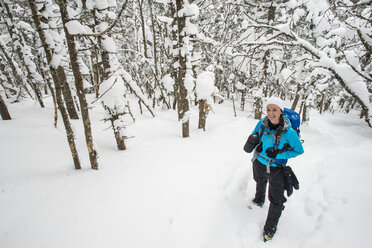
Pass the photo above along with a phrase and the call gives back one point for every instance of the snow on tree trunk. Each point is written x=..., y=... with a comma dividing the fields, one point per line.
x=93, y=154
x=204, y=90
x=184, y=78
x=112, y=90
x=112, y=93
x=57, y=84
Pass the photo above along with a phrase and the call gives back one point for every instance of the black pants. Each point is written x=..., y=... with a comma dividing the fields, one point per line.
x=276, y=192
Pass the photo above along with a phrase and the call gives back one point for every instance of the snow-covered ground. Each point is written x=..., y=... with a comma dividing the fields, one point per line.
x=170, y=192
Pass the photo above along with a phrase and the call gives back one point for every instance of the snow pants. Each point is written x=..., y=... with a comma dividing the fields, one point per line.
x=276, y=192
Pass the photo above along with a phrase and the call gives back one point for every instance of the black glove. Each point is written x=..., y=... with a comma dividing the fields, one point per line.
x=287, y=181
x=286, y=147
x=290, y=180
x=294, y=179
x=259, y=147
x=251, y=143
x=271, y=153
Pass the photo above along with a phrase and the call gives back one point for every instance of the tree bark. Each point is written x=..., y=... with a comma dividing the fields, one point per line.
x=305, y=116
x=93, y=154
x=297, y=98
x=258, y=108
x=203, y=108
x=242, y=100
x=233, y=102
x=4, y=110
x=67, y=95
x=120, y=140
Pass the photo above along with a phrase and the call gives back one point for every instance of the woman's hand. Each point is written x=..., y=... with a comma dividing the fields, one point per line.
x=271, y=153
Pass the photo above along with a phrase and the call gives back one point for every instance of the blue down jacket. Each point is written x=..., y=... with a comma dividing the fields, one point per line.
x=268, y=139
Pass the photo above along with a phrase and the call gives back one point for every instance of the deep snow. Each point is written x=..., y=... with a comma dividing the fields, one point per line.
x=170, y=192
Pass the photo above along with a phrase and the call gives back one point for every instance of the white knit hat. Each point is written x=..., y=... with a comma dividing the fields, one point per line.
x=277, y=101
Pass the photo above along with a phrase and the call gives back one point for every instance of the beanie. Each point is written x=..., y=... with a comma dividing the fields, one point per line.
x=277, y=101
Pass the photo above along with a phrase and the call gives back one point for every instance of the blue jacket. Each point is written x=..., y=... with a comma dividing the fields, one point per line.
x=268, y=139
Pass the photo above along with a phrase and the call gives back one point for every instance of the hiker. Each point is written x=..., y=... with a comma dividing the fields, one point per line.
x=274, y=141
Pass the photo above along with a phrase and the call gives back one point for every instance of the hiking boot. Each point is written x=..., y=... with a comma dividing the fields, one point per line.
x=267, y=235
x=257, y=202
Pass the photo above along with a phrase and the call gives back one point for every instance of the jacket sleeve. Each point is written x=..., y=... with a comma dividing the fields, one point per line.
x=257, y=128
x=294, y=142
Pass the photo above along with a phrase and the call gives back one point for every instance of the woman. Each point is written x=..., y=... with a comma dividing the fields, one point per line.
x=275, y=142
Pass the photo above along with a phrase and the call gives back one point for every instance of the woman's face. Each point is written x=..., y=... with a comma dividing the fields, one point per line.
x=273, y=112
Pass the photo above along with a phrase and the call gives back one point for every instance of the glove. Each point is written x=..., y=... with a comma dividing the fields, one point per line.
x=271, y=153
x=251, y=143
x=286, y=147
x=294, y=179
x=259, y=147
x=290, y=180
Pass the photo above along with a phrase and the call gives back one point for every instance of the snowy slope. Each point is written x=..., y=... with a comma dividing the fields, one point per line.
x=169, y=192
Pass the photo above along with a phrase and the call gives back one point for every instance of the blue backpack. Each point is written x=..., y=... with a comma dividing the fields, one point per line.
x=294, y=118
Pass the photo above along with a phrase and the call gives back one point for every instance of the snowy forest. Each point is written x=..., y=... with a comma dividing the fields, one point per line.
x=102, y=74
x=172, y=54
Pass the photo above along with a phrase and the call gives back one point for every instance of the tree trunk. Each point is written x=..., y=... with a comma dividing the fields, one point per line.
x=203, y=108
x=173, y=71
x=66, y=122
x=321, y=104
x=46, y=77
x=233, y=101
x=67, y=95
x=258, y=108
x=119, y=140
x=305, y=116
x=154, y=40
x=184, y=102
x=113, y=117
x=155, y=55
x=295, y=101
x=140, y=5
x=104, y=65
x=96, y=71
x=93, y=155
x=301, y=107
x=4, y=110
x=36, y=91
x=242, y=101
